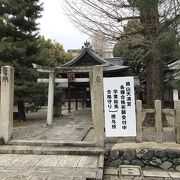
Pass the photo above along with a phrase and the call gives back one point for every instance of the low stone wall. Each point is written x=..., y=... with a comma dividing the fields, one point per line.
x=158, y=158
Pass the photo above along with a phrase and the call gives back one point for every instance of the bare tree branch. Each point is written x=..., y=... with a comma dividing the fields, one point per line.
x=150, y=22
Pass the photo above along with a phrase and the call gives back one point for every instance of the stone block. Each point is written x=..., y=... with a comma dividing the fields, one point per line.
x=176, y=161
x=153, y=173
x=129, y=154
x=155, y=162
x=139, y=153
x=159, y=153
x=137, y=162
x=38, y=178
x=178, y=168
x=114, y=154
x=164, y=158
x=171, y=153
x=148, y=154
x=145, y=154
x=166, y=165
x=111, y=171
x=146, y=162
x=126, y=162
x=116, y=163
x=130, y=170
x=174, y=175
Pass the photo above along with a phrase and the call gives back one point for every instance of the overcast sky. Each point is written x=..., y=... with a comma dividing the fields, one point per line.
x=56, y=26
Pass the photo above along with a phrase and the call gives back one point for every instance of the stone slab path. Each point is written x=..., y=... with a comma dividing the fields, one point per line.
x=147, y=174
x=71, y=127
x=48, y=167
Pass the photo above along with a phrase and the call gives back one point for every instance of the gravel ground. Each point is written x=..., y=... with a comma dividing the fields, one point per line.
x=73, y=126
x=79, y=121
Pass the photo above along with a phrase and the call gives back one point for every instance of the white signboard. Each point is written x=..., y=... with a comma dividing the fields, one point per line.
x=119, y=105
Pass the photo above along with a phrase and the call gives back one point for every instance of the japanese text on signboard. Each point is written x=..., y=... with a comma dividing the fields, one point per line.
x=119, y=106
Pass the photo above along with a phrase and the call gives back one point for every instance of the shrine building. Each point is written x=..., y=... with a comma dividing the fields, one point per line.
x=74, y=91
x=78, y=78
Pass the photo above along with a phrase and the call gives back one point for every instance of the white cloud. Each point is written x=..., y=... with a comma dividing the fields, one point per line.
x=55, y=25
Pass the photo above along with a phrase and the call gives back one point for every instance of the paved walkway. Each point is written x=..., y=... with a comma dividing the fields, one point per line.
x=72, y=127
x=47, y=167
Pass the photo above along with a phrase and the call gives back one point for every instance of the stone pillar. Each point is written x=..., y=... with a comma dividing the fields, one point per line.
x=50, y=99
x=158, y=121
x=139, y=121
x=177, y=121
x=175, y=95
x=96, y=84
x=7, y=100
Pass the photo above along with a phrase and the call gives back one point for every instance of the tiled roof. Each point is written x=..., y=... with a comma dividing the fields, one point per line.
x=112, y=64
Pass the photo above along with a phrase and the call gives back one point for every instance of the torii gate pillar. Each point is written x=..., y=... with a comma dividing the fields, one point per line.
x=96, y=84
x=50, y=99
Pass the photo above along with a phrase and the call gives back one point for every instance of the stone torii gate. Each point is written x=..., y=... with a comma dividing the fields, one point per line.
x=96, y=87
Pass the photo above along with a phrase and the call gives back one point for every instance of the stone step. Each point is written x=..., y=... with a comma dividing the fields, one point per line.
x=55, y=174
x=37, y=150
x=51, y=143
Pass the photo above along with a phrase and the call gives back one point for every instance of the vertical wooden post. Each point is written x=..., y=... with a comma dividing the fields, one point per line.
x=7, y=100
x=60, y=109
x=177, y=120
x=96, y=86
x=139, y=121
x=50, y=99
x=83, y=98
x=158, y=121
x=69, y=98
x=76, y=98
x=83, y=101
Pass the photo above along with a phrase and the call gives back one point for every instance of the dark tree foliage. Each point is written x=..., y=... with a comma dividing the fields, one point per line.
x=131, y=57
x=19, y=45
x=52, y=53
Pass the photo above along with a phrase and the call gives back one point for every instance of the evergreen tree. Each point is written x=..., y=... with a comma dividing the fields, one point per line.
x=19, y=45
x=52, y=53
x=132, y=57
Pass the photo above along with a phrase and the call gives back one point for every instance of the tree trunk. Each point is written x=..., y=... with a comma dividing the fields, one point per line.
x=154, y=80
x=154, y=65
x=149, y=17
x=21, y=110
